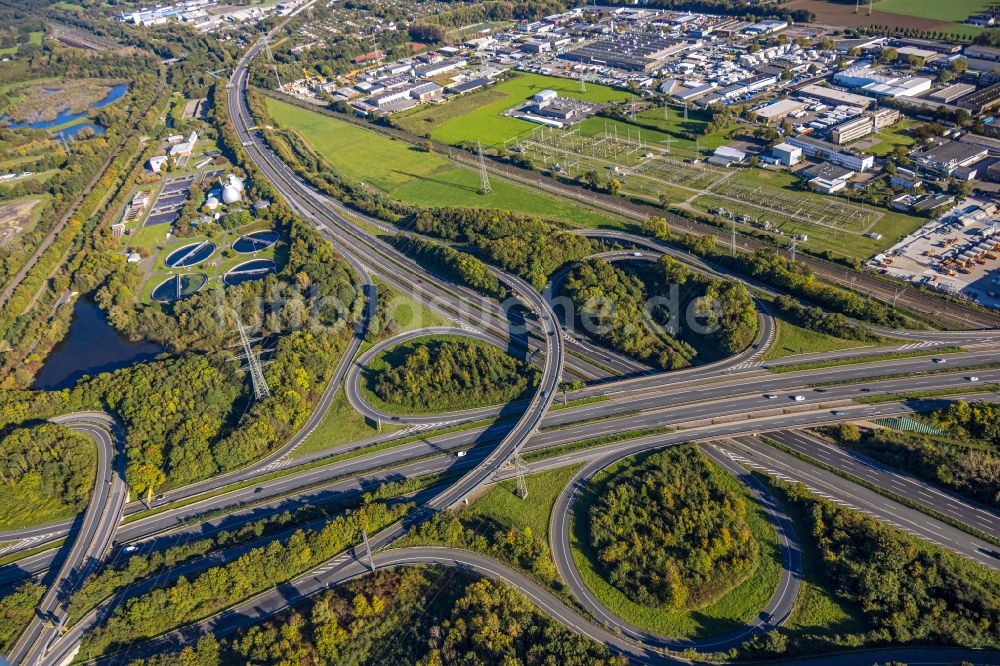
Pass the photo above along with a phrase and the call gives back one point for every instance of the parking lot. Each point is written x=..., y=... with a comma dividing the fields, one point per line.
x=958, y=254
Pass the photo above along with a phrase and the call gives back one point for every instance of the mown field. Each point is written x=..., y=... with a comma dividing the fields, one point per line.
x=481, y=112
x=410, y=174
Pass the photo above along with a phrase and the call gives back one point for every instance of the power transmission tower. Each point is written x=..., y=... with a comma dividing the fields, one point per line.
x=267, y=45
x=795, y=241
x=732, y=240
x=368, y=549
x=521, y=468
x=685, y=110
x=583, y=85
x=484, y=178
x=260, y=389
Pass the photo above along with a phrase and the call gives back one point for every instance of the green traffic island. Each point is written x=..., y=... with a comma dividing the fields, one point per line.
x=444, y=373
x=48, y=475
x=869, y=585
x=674, y=545
x=612, y=299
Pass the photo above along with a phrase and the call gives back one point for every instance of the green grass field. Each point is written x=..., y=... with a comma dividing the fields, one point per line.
x=890, y=137
x=791, y=339
x=728, y=612
x=484, y=121
x=34, y=37
x=412, y=175
x=340, y=425
x=955, y=10
x=502, y=506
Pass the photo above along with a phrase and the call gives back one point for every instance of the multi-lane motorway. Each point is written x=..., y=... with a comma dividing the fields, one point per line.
x=724, y=406
x=89, y=540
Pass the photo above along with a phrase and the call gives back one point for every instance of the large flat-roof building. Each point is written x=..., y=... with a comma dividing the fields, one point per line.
x=832, y=152
x=863, y=125
x=983, y=100
x=835, y=96
x=634, y=52
x=948, y=156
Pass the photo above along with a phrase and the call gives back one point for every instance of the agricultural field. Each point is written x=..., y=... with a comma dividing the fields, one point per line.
x=412, y=175
x=928, y=15
x=482, y=116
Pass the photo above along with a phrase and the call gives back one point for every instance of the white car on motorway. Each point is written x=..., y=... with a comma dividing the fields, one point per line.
x=973, y=378
x=770, y=396
x=798, y=398
x=940, y=360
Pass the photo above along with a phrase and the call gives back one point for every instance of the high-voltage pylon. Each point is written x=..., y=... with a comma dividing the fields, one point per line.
x=484, y=177
x=267, y=46
x=521, y=470
x=260, y=389
x=583, y=84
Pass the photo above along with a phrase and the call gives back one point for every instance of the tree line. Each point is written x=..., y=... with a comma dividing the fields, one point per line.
x=646, y=314
x=529, y=247
x=907, y=591
x=410, y=615
x=184, y=601
x=966, y=460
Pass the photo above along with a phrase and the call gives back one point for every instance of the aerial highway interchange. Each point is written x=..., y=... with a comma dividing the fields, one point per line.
x=732, y=408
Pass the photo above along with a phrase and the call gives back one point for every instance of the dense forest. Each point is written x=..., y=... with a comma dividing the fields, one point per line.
x=668, y=534
x=452, y=374
x=907, y=591
x=47, y=474
x=414, y=616
x=16, y=610
x=967, y=460
x=663, y=314
x=526, y=246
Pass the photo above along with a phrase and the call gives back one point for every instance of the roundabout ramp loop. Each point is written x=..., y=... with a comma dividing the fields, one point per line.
x=774, y=614
x=355, y=377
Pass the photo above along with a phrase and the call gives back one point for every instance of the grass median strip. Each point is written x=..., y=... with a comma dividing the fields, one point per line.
x=869, y=358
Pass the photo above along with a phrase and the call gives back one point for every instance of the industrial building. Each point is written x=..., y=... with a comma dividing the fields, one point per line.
x=832, y=152
x=983, y=100
x=635, y=52
x=835, y=96
x=882, y=83
x=948, y=156
x=787, y=154
x=863, y=126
